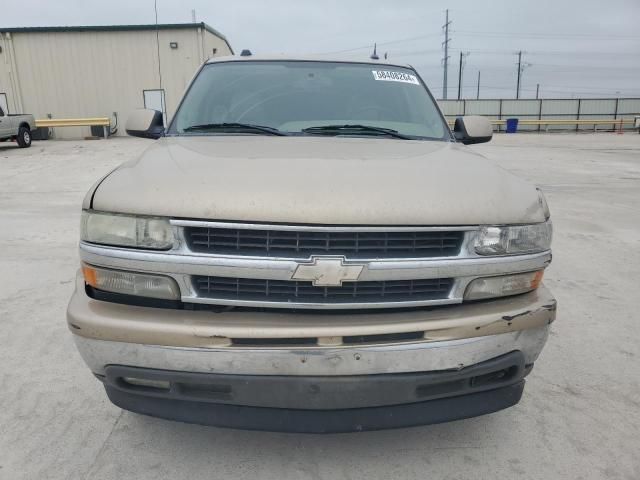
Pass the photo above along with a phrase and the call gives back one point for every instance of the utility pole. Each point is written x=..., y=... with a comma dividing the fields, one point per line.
x=537, y=90
x=460, y=70
x=521, y=68
x=478, y=90
x=445, y=60
x=460, y=77
x=519, y=73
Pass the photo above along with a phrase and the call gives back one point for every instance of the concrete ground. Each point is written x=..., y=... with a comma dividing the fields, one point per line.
x=579, y=418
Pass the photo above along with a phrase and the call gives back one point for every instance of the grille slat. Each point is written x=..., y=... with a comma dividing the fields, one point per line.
x=224, y=288
x=302, y=244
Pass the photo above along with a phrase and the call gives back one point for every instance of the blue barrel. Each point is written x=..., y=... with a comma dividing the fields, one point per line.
x=512, y=125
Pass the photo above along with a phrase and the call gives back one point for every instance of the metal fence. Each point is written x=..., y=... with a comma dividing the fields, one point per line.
x=531, y=109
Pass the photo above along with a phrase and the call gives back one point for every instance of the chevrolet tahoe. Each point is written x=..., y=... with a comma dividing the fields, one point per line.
x=308, y=247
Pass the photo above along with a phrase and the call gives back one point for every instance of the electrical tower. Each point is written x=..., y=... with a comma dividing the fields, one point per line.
x=445, y=60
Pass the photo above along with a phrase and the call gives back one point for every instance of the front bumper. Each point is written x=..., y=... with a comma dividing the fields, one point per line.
x=100, y=320
x=314, y=388
x=328, y=361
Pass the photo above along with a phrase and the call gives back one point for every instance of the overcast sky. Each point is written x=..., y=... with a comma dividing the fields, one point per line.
x=575, y=48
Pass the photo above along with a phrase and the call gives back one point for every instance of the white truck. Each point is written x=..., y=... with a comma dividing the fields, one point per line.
x=16, y=127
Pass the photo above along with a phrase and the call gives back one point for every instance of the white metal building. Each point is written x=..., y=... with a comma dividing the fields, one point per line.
x=101, y=71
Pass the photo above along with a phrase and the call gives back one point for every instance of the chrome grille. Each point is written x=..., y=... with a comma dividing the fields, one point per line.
x=283, y=291
x=302, y=244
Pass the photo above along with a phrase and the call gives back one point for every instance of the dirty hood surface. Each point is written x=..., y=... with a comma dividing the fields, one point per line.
x=318, y=180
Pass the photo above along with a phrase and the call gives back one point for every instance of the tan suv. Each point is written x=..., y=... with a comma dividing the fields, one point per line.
x=308, y=247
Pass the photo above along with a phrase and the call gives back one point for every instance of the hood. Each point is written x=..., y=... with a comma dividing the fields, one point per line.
x=318, y=180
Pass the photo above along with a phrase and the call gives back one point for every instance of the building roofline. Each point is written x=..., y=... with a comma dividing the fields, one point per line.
x=117, y=28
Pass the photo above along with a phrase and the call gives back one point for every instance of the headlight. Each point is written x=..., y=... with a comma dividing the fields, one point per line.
x=491, y=287
x=130, y=283
x=126, y=230
x=514, y=240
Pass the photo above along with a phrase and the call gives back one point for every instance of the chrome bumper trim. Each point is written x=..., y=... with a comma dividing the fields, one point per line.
x=319, y=228
x=365, y=360
x=283, y=269
x=321, y=306
x=181, y=264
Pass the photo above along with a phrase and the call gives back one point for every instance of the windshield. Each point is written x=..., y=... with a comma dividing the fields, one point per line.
x=294, y=96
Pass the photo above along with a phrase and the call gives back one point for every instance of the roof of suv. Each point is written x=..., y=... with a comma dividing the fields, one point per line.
x=310, y=58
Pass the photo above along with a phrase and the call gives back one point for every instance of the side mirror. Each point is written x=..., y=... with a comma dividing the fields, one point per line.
x=473, y=129
x=145, y=123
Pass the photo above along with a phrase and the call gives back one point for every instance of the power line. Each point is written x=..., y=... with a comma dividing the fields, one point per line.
x=482, y=51
x=391, y=42
x=417, y=52
x=489, y=51
x=589, y=53
x=601, y=67
x=609, y=69
x=549, y=52
x=545, y=35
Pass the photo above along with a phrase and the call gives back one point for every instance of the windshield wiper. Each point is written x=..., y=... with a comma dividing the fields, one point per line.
x=340, y=129
x=237, y=127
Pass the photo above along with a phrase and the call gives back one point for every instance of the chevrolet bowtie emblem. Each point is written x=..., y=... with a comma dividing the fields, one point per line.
x=327, y=271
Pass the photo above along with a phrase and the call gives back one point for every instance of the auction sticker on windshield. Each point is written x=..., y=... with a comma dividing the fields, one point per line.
x=389, y=76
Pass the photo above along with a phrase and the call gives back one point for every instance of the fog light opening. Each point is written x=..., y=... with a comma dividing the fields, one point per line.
x=147, y=383
x=500, y=376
